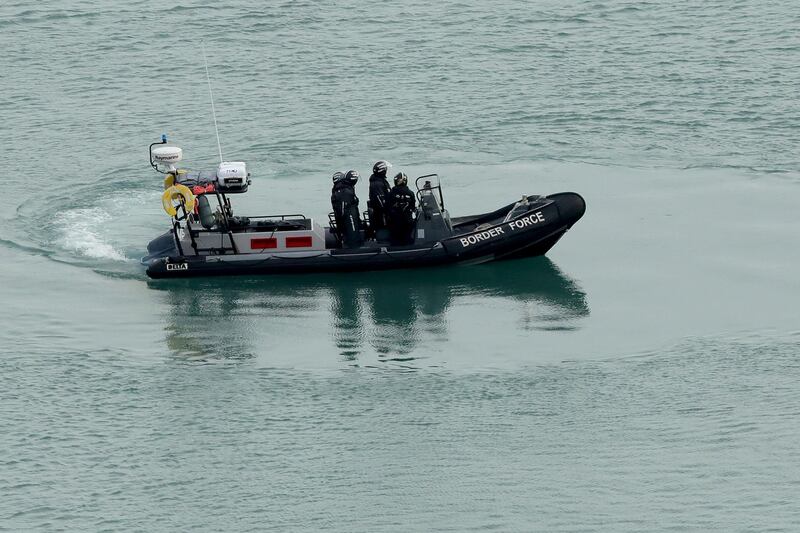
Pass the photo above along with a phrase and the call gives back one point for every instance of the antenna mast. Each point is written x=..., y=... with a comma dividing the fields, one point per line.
x=211, y=94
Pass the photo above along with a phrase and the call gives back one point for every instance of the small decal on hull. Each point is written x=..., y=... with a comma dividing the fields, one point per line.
x=177, y=266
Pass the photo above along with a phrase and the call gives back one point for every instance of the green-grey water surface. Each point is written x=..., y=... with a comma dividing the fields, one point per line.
x=642, y=376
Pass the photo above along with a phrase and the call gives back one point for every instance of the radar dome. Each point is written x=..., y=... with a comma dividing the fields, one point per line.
x=167, y=156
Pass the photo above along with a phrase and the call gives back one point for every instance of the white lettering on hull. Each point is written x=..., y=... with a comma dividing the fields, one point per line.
x=514, y=225
x=482, y=236
x=524, y=222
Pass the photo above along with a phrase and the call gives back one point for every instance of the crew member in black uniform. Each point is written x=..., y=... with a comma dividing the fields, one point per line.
x=378, y=197
x=402, y=204
x=345, y=208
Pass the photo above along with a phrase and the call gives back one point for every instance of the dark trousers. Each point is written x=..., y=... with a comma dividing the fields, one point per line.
x=401, y=232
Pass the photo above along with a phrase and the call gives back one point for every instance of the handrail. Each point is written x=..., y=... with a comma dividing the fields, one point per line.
x=282, y=217
x=416, y=181
x=438, y=187
x=150, y=150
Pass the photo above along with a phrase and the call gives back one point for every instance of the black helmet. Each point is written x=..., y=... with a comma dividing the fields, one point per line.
x=401, y=179
x=352, y=177
x=338, y=176
x=381, y=167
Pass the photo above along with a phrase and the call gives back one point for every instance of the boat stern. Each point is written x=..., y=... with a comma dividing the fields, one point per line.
x=161, y=246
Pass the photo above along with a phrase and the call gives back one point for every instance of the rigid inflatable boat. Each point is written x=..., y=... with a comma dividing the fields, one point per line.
x=212, y=241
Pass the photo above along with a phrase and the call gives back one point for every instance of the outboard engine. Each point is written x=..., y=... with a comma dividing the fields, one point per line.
x=233, y=175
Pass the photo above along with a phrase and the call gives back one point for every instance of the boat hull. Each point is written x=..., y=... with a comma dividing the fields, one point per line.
x=478, y=239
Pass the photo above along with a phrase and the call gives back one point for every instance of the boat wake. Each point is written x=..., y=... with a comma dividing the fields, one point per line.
x=82, y=234
x=82, y=226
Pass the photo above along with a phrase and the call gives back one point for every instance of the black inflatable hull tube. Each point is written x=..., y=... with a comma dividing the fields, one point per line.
x=533, y=233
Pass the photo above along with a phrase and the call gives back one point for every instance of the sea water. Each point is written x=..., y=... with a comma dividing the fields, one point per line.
x=642, y=376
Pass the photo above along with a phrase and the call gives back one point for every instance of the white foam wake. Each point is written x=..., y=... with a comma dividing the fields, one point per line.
x=81, y=232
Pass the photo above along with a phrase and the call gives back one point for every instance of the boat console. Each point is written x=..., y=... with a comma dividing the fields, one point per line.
x=433, y=220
